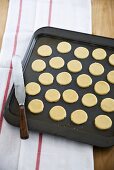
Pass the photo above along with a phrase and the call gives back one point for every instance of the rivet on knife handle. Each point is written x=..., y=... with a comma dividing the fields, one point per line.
x=23, y=123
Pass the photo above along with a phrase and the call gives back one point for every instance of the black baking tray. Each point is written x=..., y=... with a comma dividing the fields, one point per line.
x=87, y=132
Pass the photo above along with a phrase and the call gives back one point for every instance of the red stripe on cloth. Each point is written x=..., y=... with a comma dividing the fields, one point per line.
x=50, y=12
x=10, y=70
x=41, y=135
x=17, y=28
x=39, y=152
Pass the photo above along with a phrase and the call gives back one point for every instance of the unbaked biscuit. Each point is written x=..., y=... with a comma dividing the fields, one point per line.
x=32, y=88
x=36, y=106
x=103, y=122
x=110, y=76
x=84, y=80
x=44, y=50
x=57, y=113
x=102, y=87
x=52, y=95
x=38, y=65
x=64, y=47
x=64, y=78
x=96, y=69
x=74, y=66
x=81, y=52
x=107, y=105
x=56, y=62
x=79, y=117
x=70, y=96
x=89, y=100
x=111, y=59
x=99, y=54
x=46, y=78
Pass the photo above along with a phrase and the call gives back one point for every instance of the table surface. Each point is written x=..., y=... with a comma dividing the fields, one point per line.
x=102, y=24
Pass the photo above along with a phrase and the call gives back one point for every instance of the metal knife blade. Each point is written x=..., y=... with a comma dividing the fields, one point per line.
x=18, y=80
x=20, y=95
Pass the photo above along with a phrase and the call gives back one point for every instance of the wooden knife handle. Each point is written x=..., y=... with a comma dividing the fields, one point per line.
x=23, y=124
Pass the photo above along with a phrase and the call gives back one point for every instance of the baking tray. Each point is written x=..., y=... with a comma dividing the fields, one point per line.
x=87, y=132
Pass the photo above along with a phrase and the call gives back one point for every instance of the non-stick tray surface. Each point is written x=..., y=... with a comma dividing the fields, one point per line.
x=86, y=132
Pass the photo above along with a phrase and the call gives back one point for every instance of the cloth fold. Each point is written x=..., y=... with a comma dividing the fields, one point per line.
x=40, y=151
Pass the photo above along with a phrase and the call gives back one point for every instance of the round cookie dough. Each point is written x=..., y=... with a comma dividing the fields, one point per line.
x=84, y=80
x=70, y=96
x=56, y=62
x=44, y=50
x=38, y=65
x=52, y=95
x=81, y=52
x=103, y=122
x=102, y=87
x=107, y=105
x=57, y=113
x=79, y=117
x=111, y=59
x=32, y=88
x=46, y=78
x=96, y=69
x=74, y=66
x=64, y=78
x=64, y=47
x=99, y=54
x=89, y=100
x=110, y=76
x=36, y=106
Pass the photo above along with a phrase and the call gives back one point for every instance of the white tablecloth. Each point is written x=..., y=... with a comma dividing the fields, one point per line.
x=39, y=152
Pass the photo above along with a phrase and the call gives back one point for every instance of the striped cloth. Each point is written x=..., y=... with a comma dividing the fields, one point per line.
x=39, y=152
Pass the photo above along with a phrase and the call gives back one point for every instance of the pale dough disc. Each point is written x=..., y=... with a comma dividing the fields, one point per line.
x=102, y=87
x=46, y=78
x=32, y=88
x=79, y=117
x=44, y=50
x=70, y=96
x=111, y=59
x=64, y=47
x=99, y=54
x=81, y=52
x=56, y=62
x=96, y=69
x=57, y=113
x=74, y=66
x=103, y=122
x=89, y=100
x=64, y=78
x=36, y=106
x=52, y=95
x=38, y=65
x=84, y=80
x=110, y=76
x=107, y=105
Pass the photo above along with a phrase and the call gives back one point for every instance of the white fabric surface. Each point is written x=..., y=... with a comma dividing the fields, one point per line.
x=39, y=152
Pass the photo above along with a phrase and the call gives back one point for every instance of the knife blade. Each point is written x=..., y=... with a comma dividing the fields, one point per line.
x=20, y=95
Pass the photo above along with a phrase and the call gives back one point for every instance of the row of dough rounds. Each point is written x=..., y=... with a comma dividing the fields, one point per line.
x=71, y=96
x=52, y=95
x=57, y=63
x=73, y=66
x=83, y=80
x=79, y=52
x=58, y=113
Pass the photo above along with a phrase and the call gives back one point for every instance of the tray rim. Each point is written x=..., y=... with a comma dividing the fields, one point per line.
x=14, y=120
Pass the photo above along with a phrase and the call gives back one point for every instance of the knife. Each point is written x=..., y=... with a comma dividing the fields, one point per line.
x=20, y=95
